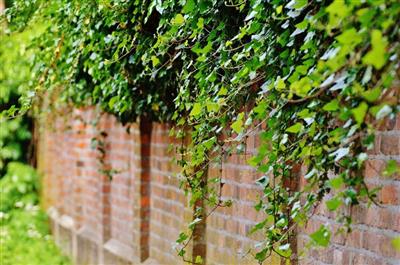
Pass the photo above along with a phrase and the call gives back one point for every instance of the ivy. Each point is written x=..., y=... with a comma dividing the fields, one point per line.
x=311, y=78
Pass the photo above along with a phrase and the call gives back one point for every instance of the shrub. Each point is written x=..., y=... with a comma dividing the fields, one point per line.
x=24, y=231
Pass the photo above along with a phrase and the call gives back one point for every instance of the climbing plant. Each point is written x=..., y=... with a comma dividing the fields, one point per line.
x=313, y=79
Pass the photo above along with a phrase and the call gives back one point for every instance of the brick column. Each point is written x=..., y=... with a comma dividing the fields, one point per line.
x=145, y=147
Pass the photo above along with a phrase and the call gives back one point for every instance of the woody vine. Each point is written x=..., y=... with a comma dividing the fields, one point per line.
x=313, y=79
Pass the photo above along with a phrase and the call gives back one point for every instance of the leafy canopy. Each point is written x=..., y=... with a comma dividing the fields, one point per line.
x=311, y=78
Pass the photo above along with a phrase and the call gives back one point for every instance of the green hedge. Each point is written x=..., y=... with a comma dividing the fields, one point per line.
x=24, y=227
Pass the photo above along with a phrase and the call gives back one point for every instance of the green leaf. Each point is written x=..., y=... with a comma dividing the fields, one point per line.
x=113, y=101
x=302, y=25
x=337, y=10
x=223, y=91
x=194, y=222
x=321, y=237
x=200, y=23
x=210, y=142
x=198, y=260
x=258, y=226
x=380, y=111
x=178, y=20
x=349, y=37
x=263, y=181
x=377, y=55
x=333, y=105
x=333, y=204
x=359, y=112
x=237, y=126
x=340, y=153
x=212, y=107
x=302, y=86
x=295, y=128
x=182, y=237
x=373, y=94
x=391, y=168
x=189, y=6
x=300, y=4
x=260, y=109
x=260, y=256
x=336, y=183
x=196, y=110
x=279, y=9
x=396, y=243
x=155, y=61
x=284, y=250
x=280, y=84
x=383, y=112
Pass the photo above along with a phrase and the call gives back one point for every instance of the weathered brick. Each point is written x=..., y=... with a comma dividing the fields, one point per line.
x=390, y=194
x=143, y=206
x=390, y=144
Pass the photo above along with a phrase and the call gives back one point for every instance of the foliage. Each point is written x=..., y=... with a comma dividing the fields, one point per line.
x=15, y=73
x=20, y=184
x=24, y=234
x=13, y=136
x=312, y=78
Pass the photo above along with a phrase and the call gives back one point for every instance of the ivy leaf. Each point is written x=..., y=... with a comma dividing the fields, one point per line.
x=155, y=61
x=336, y=183
x=295, y=128
x=212, y=107
x=237, y=126
x=377, y=55
x=223, y=91
x=321, y=237
x=189, y=6
x=373, y=94
x=196, y=110
x=302, y=86
x=113, y=101
x=280, y=84
x=178, y=20
x=200, y=23
x=349, y=37
x=209, y=143
x=258, y=226
x=300, y=4
x=340, y=153
x=284, y=250
x=194, y=222
x=391, y=168
x=337, y=11
x=251, y=15
x=181, y=252
x=359, y=112
x=260, y=109
x=182, y=237
x=198, y=260
x=333, y=204
x=263, y=181
x=396, y=243
x=333, y=105
x=260, y=256
x=383, y=112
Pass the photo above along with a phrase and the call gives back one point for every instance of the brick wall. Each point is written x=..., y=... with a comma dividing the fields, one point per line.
x=374, y=226
x=136, y=216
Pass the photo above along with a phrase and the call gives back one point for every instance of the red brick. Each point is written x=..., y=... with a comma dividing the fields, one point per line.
x=390, y=144
x=126, y=210
x=390, y=194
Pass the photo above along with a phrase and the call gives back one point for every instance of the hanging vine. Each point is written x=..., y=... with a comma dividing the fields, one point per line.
x=312, y=78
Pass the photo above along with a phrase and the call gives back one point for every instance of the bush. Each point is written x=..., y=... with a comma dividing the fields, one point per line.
x=24, y=231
